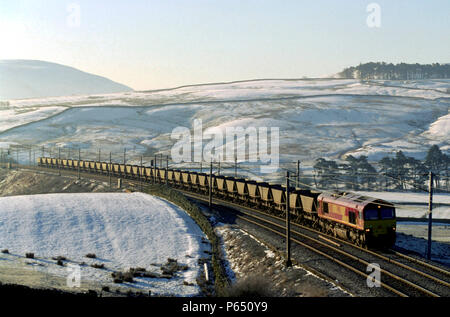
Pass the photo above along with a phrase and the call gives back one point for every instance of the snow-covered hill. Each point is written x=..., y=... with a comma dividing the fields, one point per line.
x=21, y=79
x=122, y=230
x=317, y=117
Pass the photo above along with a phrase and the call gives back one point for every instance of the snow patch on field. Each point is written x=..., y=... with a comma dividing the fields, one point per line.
x=440, y=128
x=414, y=205
x=122, y=230
x=414, y=237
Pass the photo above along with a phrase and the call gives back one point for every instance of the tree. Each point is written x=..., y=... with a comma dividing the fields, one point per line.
x=327, y=171
x=437, y=163
x=402, y=71
x=387, y=169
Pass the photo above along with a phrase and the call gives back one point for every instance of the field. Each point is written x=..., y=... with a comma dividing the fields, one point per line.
x=327, y=118
x=317, y=118
x=122, y=230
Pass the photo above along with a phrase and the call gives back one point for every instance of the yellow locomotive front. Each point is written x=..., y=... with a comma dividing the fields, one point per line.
x=380, y=223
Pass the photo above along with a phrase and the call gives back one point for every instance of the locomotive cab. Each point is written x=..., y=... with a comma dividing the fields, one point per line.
x=380, y=223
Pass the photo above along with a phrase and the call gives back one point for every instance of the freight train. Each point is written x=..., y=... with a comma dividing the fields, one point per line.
x=365, y=221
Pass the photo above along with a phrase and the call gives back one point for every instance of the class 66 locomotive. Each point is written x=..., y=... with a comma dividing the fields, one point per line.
x=366, y=221
x=362, y=220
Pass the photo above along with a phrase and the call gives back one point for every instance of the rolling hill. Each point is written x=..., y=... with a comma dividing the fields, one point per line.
x=20, y=79
x=328, y=118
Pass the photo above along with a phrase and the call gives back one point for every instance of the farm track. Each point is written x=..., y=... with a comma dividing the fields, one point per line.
x=401, y=275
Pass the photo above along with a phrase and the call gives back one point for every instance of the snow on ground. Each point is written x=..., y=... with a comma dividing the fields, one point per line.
x=414, y=205
x=399, y=197
x=413, y=236
x=435, y=84
x=15, y=117
x=440, y=128
x=122, y=230
x=317, y=117
x=250, y=260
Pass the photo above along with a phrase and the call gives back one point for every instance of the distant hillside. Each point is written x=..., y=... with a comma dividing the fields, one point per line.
x=21, y=79
x=400, y=71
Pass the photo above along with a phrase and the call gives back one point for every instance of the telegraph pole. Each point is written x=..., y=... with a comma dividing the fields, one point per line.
x=298, y=173
x=59, y=161
x=110, y=169
x=430, y=217
x=288, y=225
x=167, y=170
x=235, y=166
x=124, y=155
x=79, y=162
x=140, y=175
x=151, y=171
x=210, y=185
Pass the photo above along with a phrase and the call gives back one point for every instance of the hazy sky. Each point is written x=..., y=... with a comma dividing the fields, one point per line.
x=164, y=43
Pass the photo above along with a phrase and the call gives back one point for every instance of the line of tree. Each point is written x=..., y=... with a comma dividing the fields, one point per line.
x=402, y=71
x=397, y=173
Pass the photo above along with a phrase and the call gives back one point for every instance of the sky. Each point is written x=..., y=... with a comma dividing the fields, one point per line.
x=168, y=43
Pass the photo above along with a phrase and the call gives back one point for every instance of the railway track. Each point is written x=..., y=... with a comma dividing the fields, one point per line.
x=356, y=259
x=401, y=275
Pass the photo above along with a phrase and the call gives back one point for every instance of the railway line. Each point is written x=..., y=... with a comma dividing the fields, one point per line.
x=353, y=258
x=401, y=275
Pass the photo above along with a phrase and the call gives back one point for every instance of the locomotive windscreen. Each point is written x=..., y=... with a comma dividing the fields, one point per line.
x=387, y=213
x=379, y=212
